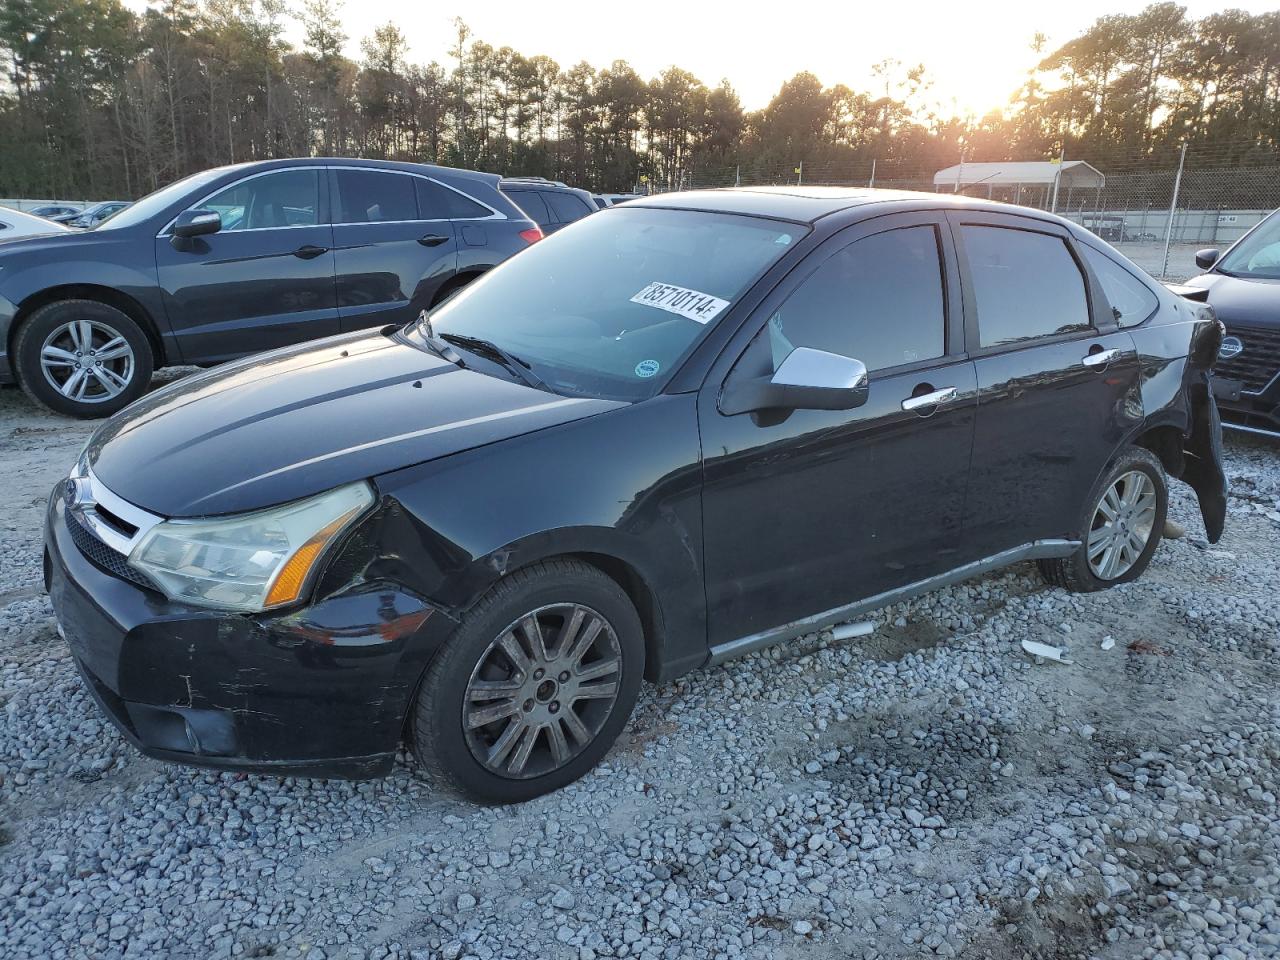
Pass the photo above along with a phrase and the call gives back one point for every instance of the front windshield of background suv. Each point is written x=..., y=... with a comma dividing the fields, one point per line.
x=1258, y=255
x=153, y=203
x=609, y=306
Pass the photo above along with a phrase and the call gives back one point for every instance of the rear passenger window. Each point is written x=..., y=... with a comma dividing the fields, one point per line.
x=369, y=196
x=438, y=202
x=531, y=203
x=1130, y=299
x=566, y=207
x=1026, y=285
x=879, y=300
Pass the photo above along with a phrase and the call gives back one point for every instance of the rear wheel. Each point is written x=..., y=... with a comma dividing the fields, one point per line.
x=1121, y=526
x=82, y=358
x=533, y=687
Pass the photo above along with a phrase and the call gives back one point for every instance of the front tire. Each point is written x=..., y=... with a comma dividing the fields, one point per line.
x=534, y=685
x=1120, y=527
x=82, y=358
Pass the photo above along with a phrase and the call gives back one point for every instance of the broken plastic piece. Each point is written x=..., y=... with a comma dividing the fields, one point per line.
x=1108, y=643
x=843, y=631
x=1042, y=652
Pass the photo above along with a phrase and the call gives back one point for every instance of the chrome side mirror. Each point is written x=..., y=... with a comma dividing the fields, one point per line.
x=807, y=379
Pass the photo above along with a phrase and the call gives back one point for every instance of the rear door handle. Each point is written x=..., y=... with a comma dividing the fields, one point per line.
x=432, y=240
x=309, y=252
x=1101, y=358
x=945, y=395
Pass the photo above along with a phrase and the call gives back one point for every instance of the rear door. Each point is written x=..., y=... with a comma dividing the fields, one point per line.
x=391, y=257
x=1057, y=379
x=264, y=280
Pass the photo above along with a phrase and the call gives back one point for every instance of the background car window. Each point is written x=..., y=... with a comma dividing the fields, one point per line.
x=369, y=196
x=1131, y=301
x=285, y=199
x=531, y=203
x=566, y=207
x=879, y=300
x=1258, y=254
x=436, y=202
x=1026, y=285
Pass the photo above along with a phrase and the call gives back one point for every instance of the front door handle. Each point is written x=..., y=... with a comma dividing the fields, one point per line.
x=432, y=240
x=309, y=252
x=1101, y=358
x=936, y=398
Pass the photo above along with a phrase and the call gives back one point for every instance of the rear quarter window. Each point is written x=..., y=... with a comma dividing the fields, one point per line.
x=531, y=203
x=438, y=202
x=1130, y=299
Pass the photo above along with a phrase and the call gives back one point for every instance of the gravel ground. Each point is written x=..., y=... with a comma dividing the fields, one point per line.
x=925, y=790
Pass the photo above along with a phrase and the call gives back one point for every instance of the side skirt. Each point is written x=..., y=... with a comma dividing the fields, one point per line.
x=1037, y=550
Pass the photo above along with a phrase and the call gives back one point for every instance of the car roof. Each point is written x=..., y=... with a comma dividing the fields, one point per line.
x=802, y=204
x=403, y=166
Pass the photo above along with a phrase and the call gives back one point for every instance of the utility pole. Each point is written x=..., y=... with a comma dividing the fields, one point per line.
x=872, y=182
x=1173, y=205
x=737, y=175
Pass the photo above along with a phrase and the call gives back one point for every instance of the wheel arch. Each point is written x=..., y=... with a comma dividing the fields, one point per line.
x=126, y=304
x=457, y=282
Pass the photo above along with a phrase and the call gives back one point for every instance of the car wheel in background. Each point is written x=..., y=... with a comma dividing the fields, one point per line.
x=1122, y=525
x=82, y=358
x=534, y=685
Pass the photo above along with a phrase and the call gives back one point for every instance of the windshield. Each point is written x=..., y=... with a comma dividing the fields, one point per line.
x=1258, y=254
x=154, y=203
x=610, y=306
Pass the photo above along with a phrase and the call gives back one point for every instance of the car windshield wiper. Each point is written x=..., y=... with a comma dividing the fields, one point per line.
x=436, y=344
x=487, y=348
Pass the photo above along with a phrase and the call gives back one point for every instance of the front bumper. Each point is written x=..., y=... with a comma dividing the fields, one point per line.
x=318, y=691
x=1245, y=411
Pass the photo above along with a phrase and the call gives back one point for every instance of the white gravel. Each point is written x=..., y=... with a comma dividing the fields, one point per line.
x=924, y=790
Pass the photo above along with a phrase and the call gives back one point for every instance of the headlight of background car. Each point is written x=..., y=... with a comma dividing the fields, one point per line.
x=250, y=562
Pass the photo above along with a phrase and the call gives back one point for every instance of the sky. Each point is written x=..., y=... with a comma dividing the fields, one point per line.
x=976, y=54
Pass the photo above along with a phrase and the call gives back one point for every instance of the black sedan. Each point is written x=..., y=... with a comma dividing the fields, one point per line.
x=1243, y=287
x=239, y=259
x=674, y=433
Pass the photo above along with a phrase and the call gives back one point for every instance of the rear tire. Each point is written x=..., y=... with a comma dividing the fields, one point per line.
x=82, y=358
x=533, y=687
x=1119, y=548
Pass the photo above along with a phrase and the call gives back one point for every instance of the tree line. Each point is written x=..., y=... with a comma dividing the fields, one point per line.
x=97, y=101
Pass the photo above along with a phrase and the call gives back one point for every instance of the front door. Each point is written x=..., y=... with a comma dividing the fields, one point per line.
x=264, y=280
x=1058, y=382
x=806, y=511
x=392, y=257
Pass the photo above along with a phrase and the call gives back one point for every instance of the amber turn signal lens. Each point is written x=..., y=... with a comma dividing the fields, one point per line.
x=293, y=575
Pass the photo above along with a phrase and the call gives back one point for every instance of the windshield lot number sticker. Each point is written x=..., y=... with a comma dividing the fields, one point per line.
x=699, y=307
x=646, y=368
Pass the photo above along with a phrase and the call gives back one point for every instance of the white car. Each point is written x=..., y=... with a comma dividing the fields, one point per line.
x=15, y=223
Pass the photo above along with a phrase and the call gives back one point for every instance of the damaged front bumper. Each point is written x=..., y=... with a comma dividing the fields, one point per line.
x=318, y=691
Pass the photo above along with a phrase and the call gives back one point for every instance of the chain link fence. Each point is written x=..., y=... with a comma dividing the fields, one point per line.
x=1153, y=211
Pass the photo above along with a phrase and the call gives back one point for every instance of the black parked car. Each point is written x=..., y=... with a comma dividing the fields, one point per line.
x=675, y=433
x=96, y=214
x=1243, y=287
x=240, y=259
x=551, y=204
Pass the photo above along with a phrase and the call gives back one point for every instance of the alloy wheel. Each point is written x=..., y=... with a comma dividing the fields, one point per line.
x=1122, y=525
x=87, y=361
x=542, y=691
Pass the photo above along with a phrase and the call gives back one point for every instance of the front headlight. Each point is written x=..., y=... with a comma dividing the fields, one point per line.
x=250, y=562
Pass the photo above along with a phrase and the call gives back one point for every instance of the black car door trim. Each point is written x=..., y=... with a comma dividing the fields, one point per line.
x=1036, y=550
x=1101, y=321
x=801, y=270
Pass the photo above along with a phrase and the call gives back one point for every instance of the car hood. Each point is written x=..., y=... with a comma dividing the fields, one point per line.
x=1235, y=300
x=287, y=424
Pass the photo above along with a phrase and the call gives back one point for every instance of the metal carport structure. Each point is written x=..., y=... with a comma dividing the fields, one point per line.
x=1033, y=183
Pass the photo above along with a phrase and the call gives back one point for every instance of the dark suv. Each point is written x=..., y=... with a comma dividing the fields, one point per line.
x=553, y=205
x=1243, y=287
x=676, y=432
x=240, y=259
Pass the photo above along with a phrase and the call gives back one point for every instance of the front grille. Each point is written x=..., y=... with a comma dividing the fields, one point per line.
x=103, y=556
x=1257, y=363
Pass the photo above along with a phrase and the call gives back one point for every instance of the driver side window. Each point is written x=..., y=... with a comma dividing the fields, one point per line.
x=289, y=198
x=878, y=300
